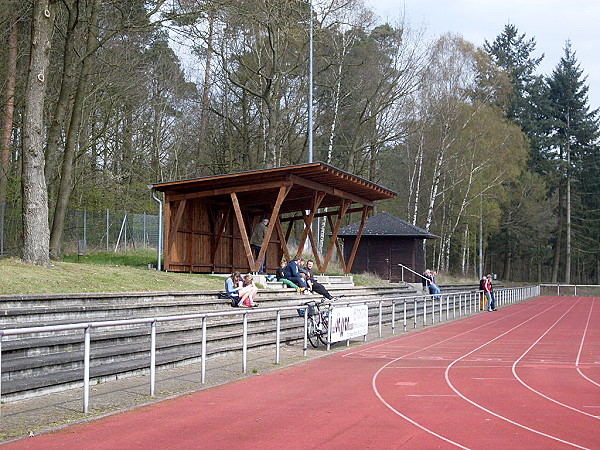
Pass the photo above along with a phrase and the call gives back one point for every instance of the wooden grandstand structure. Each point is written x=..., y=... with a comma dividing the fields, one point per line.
x=208, y=220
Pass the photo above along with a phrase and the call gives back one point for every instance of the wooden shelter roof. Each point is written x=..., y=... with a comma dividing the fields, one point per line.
x=259, y=188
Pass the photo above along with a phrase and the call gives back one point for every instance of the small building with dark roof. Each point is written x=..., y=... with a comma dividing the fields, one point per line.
x=386, y=241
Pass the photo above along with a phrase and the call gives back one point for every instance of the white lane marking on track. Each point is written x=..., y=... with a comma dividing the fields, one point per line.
x=581, y=347
x=385, y=366
x=482, y=378
x=514, y=369
x=430, y=395
x=491, y=412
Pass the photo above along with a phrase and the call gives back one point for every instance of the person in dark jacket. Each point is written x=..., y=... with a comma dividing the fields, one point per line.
x=292, y=273
x=256, y=241
x=313, y=284
x=280, y=275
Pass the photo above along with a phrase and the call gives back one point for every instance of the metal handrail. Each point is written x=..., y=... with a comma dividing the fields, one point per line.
x=465, y=299
x=410, y=270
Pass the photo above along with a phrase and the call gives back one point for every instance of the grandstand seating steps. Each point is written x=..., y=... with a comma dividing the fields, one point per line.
x=35, y=364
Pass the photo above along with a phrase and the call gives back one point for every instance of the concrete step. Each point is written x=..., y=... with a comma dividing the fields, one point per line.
x=33, y=364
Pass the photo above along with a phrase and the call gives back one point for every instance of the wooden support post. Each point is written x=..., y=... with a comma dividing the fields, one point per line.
x=337, y=246
x=219, y=233
x=365, y=214
x=283, y=191
x=175, y=225
x=318, y=198
x=282, y=239
x=341, y=213
x=242, y=227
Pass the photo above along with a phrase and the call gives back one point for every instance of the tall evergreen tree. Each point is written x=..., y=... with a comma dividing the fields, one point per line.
x=526, y=103
x=572, y=145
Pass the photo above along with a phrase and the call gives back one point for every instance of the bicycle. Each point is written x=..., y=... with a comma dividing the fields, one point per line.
x=317, y=322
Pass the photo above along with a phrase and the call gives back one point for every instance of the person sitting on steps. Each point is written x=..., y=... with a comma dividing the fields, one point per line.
x=280, y=275
x=292, y=273
x=247, y=291
x=313, y=284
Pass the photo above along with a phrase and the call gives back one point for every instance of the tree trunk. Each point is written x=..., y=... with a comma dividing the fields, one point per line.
x=559, y=232
x=205, y=93
x=9, y=107
x=61, y=107
x=33, y=183
x=66, y=175
x=568, y=213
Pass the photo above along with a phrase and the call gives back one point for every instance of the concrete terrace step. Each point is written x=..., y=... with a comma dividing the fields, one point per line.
x=32, y=364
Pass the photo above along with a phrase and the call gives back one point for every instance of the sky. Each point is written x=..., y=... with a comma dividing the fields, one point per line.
x=550, y=22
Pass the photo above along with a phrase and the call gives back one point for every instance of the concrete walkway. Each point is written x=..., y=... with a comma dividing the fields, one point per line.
x=48, y=412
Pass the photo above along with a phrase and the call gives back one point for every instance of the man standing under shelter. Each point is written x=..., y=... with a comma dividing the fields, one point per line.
x=256, y=241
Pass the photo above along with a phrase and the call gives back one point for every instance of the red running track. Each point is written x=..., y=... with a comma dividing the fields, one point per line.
x=526, y=376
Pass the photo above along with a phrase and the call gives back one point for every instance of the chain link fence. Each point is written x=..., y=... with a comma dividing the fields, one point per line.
x=87, y=231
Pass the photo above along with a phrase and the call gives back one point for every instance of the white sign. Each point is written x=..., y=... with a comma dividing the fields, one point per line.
x=348, y=322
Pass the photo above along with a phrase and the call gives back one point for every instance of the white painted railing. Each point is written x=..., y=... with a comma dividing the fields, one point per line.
x=567, y=287
x=423, y=306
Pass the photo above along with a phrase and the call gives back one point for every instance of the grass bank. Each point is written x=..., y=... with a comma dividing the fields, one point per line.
x=111, y=272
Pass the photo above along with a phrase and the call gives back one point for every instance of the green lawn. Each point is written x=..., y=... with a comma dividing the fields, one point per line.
x=112, y=272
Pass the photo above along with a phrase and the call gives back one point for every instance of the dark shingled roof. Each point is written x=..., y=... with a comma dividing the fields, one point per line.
x=384, y=224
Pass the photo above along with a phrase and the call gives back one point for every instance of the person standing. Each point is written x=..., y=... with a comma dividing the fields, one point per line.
x=256, y=242
x=489, y=293
x=482, y=297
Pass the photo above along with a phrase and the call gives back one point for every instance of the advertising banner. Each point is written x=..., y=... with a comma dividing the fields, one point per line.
x=349, y=322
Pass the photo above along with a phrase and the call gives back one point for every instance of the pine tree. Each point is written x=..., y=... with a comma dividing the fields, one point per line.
x=572, y=146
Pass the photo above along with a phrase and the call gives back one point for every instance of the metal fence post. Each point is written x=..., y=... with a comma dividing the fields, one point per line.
x=415, y=314
x=393, y=317
x=86, y=369
x=152, y=357
x=107, y=228
x=380, y=317
x=203, y=362
x=305, y=331
x=1, y=370
x=277, y=336
x=245, y=344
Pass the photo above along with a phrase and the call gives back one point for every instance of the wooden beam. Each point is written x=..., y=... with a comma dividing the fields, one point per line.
x=313, y=244
x=283, y=191
x=242, y=227
x=175, y=225
x=282, y=239
x=358, y=236
x=329, y=190
x=337, y=245
x=316, y=202
x=342, y=212
x=231, y=190
x=323, y=214
x=167, y=233
x=219, y=233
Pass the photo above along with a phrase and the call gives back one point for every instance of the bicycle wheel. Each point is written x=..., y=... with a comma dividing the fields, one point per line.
x=312, y=332
x=323, y=331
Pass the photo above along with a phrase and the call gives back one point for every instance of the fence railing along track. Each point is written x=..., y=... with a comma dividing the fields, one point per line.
x=429, y=309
